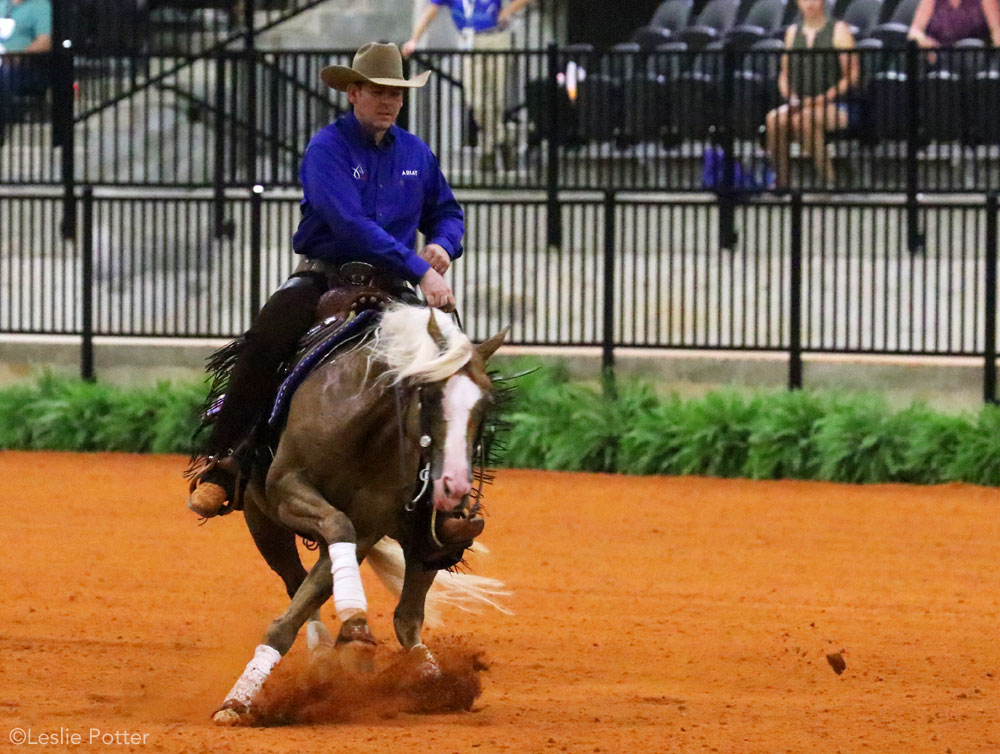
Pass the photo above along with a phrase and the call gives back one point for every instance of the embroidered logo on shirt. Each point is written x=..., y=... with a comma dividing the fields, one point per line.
x=408, y=173
x=358, y=172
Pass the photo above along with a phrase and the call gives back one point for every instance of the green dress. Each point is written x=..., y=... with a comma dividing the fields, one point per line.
x=813, y=73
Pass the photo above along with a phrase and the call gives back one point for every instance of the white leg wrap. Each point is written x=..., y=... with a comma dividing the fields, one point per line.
x=254, y=675
x=348, y=593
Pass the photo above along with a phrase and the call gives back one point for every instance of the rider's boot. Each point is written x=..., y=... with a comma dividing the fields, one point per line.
x=272, y=339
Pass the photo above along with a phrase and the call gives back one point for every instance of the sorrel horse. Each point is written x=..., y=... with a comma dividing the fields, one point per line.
x=414, y=393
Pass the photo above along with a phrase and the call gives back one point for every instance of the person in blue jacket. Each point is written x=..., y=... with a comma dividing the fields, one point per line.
x=368, y=187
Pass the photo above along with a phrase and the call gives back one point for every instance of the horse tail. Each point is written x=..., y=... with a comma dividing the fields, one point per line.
x=465, y=591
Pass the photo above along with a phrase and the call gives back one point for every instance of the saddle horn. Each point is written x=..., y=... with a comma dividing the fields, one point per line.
x=434, y=330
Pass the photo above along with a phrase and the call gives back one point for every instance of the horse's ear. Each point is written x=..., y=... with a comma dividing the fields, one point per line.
x=434, y=330
x=489, y=347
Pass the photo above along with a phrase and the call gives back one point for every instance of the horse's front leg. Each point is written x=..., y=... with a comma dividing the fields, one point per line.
x=304, y=510
x=308, y=598
x=408, y=619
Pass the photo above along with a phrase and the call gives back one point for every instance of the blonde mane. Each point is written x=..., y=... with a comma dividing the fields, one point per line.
x=404, y=345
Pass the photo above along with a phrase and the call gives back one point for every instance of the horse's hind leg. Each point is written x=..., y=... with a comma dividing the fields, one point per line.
x=277, y=546
x=408, y=619
x=311, y=594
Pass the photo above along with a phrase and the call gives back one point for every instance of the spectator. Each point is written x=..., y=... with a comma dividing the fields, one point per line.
x=941, y=23
x=25, y=28
x=483, y=25
x=814, y=85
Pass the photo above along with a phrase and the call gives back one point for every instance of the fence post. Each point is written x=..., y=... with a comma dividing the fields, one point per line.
x=223, y=229
x=608, y=324
x=795, y=297
x=251, y=94
x=724, y=137
x=87, y=284
x=553, y=212
x=63, y=131
x=914, y=238
x=990, y=346
x=256, y=196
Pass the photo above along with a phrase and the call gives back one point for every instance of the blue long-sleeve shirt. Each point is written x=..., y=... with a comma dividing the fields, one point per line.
x=365, y=202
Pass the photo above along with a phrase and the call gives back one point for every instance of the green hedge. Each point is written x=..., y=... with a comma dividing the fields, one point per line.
x=556, y=423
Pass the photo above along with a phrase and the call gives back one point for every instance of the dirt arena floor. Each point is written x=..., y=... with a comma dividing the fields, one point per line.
x=652, y=615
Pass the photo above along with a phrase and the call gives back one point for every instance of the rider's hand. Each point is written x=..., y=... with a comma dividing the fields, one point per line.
x=409, y=47
x=435, y=255
x=436, y=291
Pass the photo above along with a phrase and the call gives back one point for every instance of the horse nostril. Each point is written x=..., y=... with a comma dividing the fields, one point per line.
x=447, y=488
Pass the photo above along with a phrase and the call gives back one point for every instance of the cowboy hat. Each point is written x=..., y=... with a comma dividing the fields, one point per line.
x=375, y=63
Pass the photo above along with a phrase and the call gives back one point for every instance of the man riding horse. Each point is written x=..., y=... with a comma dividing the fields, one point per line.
x=368, y=186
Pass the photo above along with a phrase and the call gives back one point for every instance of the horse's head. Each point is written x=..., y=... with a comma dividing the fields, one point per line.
x=452, y=415
x=427, y=349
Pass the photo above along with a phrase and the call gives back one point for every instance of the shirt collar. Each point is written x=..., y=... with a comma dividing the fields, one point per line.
x=361, y=136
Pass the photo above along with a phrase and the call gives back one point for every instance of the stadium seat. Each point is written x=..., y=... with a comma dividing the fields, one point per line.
x=892, y=35
x=888, y=99
x=984, y=93
x=599, y=108
x=645, y=101
x=669, y=60
x=537, y=104
x=966, y=57
x=672, y=15
x=941, y=107
x=760, y=22
x=650, y=37
x=751, y=102
x=695, y=105
x=903, y=12
x=862, y=16
x=623, y=61
x=714, y=21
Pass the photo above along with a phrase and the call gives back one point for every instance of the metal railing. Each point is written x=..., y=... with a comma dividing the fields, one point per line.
x=809, y=275
x=553, y=119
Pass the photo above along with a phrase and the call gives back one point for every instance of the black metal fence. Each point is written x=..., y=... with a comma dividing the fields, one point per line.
x=912, y=121
x=807, y=276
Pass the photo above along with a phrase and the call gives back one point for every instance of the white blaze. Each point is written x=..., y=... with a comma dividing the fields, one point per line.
x=461, y=394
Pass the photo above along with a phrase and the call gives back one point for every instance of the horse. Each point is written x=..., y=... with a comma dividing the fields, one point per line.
x=413, y=393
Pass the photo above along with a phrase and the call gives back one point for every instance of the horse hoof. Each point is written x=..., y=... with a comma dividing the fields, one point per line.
x=356, y=656
x=230, y=713
x=424, y=665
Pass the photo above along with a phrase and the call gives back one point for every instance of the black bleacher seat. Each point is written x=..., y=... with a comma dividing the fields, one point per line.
x=650, y=37
x=984, y=95
x=941, y=106
x=966, y=57
x=903, y=12
x=862, y=16
x=598, y=108
x=624, y=61
x=695, y=106
x=669, y=60
x=714, y=21
x=763, y=15
x=888, y=98
x=537, y=103
x=892, y=34
x=645, y=102
x=751, y=102
x=672, y=15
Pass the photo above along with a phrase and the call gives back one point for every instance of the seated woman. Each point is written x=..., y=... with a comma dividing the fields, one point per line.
x=814, y=86
x=941, y=23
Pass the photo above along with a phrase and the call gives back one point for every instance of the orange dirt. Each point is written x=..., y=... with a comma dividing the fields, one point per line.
x=653, y=615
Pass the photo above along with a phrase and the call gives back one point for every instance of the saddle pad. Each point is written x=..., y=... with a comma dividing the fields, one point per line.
x=338, y=335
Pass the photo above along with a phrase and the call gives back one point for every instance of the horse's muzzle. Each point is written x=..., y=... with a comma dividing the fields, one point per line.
x=450, y=492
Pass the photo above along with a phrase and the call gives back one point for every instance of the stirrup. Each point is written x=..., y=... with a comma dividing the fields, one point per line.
x=209, y=496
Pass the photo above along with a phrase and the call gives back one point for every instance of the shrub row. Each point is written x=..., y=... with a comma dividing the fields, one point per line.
x=559, y=424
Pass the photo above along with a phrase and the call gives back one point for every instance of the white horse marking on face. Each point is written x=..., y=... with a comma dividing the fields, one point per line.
x=460, y=396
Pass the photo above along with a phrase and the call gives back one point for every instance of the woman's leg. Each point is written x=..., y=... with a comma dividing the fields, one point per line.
x=778, y=125
x=817, y=121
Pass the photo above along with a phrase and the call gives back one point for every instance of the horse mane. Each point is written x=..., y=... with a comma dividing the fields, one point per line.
x=403, y=343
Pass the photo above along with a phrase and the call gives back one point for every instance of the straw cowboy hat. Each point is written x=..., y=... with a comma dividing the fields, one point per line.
x=375, y=63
